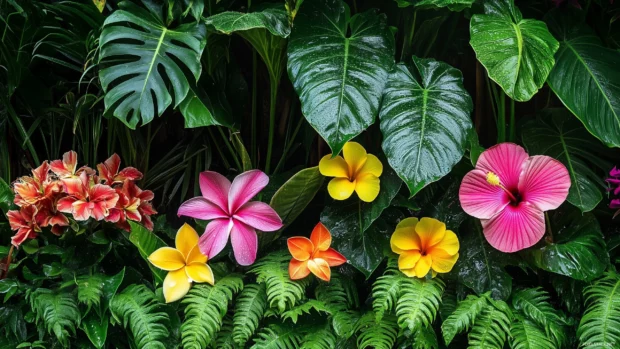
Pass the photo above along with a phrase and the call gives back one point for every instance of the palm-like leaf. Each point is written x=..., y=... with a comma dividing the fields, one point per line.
x=534, y=304
x=57, y=310
x=527, y=335
x=601, y=321
x=378, y=335
x=462, y=318
x=280, y=336
x=250, y=308
x=418, y=302
x=492, y=327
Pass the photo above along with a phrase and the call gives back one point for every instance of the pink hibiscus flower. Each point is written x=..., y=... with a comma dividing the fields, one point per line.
x=509, y=192
x=231, y=213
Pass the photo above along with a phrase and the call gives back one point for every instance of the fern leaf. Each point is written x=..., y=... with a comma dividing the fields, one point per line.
x=534, y=304
x=322, y=338
x=448, y=302
x=137, y=308
x=491, y=326
x=90, y=289
x=418, y=302
x=339, y=294
x=225, y=338
x=526, y=334
x=345, y=322
x=601, y=320
x=205, y=309
x=305, y=308
x=58, y=311
x=463, y=317
x=278, y=336
x=377, y=335
x=282, y=292
x=425, y=338
x=385, y=292
x=249, y=310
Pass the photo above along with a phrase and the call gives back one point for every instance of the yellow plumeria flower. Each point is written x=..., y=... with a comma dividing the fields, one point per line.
x=357, y=171
x=424, y=245
x=185, y=263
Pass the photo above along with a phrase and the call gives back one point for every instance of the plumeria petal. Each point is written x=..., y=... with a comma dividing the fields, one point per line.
x=505, y=160
x=200, y=272
x=215, y=237
x=215, y=187
x=479, y=198
x=333, y=167
x=355, y=155
x=404, y=237
x=320, y=268
x=515, y=228
x=340, y=188
x=186, y=239
x=544, y=182
x=244, y=187
x=423, y=266
x=244, y=243
x=408, y=259
x=298, y=269
x=167, y=258
x=321, y=237
x=259, y=215
x=430, y=231
x=332, y=257
x=372, y=166
x=300, y=247
x=442, y=261
x=367, y=187
x=449, y=244
x=201, y=208
x=196, y=256
x=176, y=285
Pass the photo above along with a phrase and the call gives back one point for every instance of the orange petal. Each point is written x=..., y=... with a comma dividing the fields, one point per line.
x=320, y=237
x=300, y=247
x=298, y=269
x=333, y=257
x=186, y=239
x=320, y=268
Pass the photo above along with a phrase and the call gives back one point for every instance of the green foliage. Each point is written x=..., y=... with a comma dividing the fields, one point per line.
x=147, y=242
x=307, y=307
x=534, y=304
x=491, y=327
x=463, y=317
x=601, y=318
x=527, y=335
x=89, y=289
x=376, y=334
x=322, y=338
x=250, y=308
x=281, y=336
x=57, y=310
x=339, y=293
x=294, y=195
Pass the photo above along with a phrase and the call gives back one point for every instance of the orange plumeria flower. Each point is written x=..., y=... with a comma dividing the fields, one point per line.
x=313, y=255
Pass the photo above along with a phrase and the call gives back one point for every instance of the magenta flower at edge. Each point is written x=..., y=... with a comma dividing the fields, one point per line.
x=231, y=212
x=509, y=192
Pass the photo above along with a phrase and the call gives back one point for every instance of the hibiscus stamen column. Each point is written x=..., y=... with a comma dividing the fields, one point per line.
x=493, y=180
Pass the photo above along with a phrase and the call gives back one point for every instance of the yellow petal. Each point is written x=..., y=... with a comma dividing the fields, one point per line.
x=409, y=272
x=433, y=273
x=404, y=237
x=333, y=167
x=340, y=188
x=186, y=239
x=372, y=166
x=200, y=272
x=423, y=266
x=176, y=285
x=196, y=256
x=430, y=231
x=167, y=258
x=355, y=156
x=408, y=259
x=449, y=244
x=367, y=187
x=443, y=262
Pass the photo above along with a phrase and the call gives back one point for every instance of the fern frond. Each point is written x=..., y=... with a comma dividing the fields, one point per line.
x=463, y=317
x=205, y=309
x=491, y=327
x=344, y=322
x=448, y=302
x=57, y=310
x=425, y=338
x=526, y=334
x=278, y=336
x=90, y=289
x=601, y=321
x=418, y=302
x=339, y=294
x=377, y=335
x=322, y=338
x=282, y=292
x=534, y=304
x=137, y=308
x=249, y=310
x=225, y=338
x=385, y=292
x=305, y=308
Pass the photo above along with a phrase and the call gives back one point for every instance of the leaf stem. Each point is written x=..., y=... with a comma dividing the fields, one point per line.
x=512, y=130
x=549, y=230
x=408, y=37
x=253, y=151
x=501, y=117
x=272, y=120
x=8, y=262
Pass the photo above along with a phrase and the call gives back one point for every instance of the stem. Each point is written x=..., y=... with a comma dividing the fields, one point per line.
x=230, y=149
x=272, y=120
x=217, y=147
x=408, y=37
x=253, y=150
x=501, y=118
x=8, y=262
x=512, y=130
x=288, y=145
x=548, y=224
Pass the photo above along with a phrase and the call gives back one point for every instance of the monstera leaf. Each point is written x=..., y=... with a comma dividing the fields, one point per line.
x=557, y=134
x=338, y=76
x=425, y=121
x=585, y=79
x=517, y=53
x=139, y=54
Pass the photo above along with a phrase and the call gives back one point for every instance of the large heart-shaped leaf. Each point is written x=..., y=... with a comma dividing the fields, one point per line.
x=585, y=78
x=557, y=134
x=136, y=46
x=339, y=65
x=425, y=121
x=517, y=53
x=578, y=249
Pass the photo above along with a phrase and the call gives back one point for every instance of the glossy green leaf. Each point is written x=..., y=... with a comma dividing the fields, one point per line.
x=197, y=108
x=578, y=249
x=559, y=135
x=96, y=329
x=585, y=78
x=136, y=47
x=454, y=5
x=339, y=66
x=294, y=195
x=517, y=53
x=6, y=196
x=147, y=242
x=246, y=162
x=425, y=121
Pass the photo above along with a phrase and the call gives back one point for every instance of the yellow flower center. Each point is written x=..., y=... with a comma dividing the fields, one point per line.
x=493, y=179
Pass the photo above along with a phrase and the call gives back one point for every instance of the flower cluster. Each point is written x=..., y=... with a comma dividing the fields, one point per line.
x=614, y=182
x=60, y=187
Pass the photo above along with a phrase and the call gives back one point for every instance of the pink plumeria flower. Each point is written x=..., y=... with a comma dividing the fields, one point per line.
x=509, y=192
x=231, y=213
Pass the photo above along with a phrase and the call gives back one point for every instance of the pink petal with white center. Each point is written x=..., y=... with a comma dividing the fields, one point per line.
x=75, y=187
x=479, y=198
x=215, y=188
x=244, y=187
x=515, y=228
x=505, y=160
x=215, y=237
x=544, y=182
x=66, y=204
x=244, y=243
x=98, y=209
x=104, y=194
x=200, y=208
x=259, y=215
x=81, y=210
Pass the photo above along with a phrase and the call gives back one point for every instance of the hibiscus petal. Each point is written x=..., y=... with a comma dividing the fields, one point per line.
x=300, y=247
x=200, y=272
x=442, y=261
x=186, y=239
x=298, y=269
x=244, y=243
x=167, y=258
x=405, y=237
x=320, y=268
x=333, y=167
x=215, y=237
x=430, y=231
x=355, y=155
x=544, y=182
x=372, y=166
x=259, y=215
x=367, y=187
x=408, y=259
x=515, y=228
x=340, y=188
x=176, y=285
x=449, y=244
x=244, y=187
x=423, y=266
x=321, y=237
x=200, y=208
x=479, y=198
x=215, y=187
x=332, y=257
x=505, y=160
